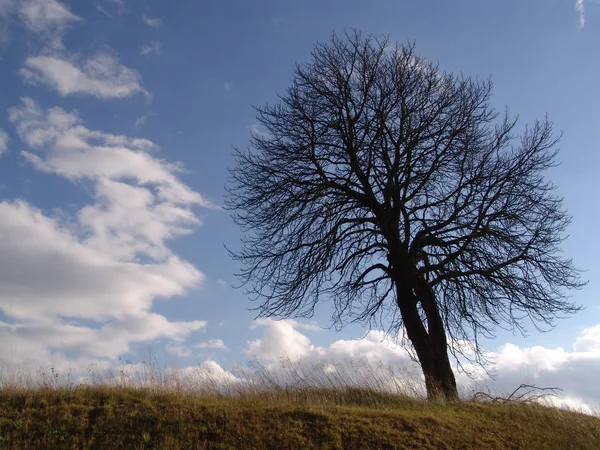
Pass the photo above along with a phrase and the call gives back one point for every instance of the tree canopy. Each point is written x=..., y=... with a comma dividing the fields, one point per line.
x=396, y=191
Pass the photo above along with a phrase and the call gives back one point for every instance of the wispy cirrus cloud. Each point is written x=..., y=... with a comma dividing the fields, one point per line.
x=580, y=7
x=48, y=19
x=44, y=16
x=4, y=138
x=116, y=5
x=101, y=76
x=140, y=121
x=185, y=351
x=154, y=22
x=151, y=47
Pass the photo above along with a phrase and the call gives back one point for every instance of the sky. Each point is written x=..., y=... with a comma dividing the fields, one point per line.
x=118, y=120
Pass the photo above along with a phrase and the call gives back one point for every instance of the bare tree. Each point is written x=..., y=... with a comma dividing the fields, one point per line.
x=395, y=191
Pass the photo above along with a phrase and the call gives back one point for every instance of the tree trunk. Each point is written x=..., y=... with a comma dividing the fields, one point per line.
x=442, y=376
x=429, y=343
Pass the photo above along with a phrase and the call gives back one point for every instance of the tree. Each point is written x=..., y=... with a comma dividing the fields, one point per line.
x=398, y=193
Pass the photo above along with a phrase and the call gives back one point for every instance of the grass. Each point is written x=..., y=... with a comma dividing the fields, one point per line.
x=119, y=417
x=157, y=410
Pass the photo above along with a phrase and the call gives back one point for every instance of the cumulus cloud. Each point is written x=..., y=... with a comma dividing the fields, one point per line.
x=280, y=338
x=52, y=278
x=589, y=341
x=574, y=371
x=86, y=284
x=48, y=271
x=154, y=22
x=151, y=47
x=212, y=344
x=579, y=6
x=4, y=138
x=37, y=340
x=207, y=375
x=101, y=76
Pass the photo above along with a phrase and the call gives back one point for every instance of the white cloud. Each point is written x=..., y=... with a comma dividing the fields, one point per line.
x=178, y=350
x=48, y=270
x=151, y=47
x=208, y=375
x=4, y=138
x=574, y=371
x=128, y=218
x=130, y=221
x=227, y=87
x=140, y=121
x=66, y=147
x=102, y=10
x=51, y=277
x=579, y=6
x=86, y=267
x=48, y=19
x=258, y=130
x=101, y=76
x=589, y=341
x=154, y=22
x=365, y=361
x=36, y=340
x=185, y=351
x=280, y=339
x=41, y=16
x=214, y=344
x=118, y=4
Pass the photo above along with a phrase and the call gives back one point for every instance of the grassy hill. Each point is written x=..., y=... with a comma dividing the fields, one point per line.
x=104, y=417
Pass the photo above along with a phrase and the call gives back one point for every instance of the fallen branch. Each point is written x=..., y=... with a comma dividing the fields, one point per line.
x=522, y=394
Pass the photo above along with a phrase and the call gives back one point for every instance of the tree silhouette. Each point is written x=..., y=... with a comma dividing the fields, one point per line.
x=395, y=191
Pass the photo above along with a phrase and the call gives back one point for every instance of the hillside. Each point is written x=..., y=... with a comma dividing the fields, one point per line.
x=119, y=417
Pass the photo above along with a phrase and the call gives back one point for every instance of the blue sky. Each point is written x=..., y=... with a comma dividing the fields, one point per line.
x=118, y=120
